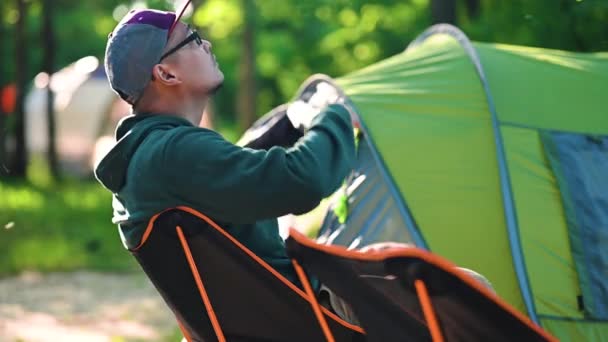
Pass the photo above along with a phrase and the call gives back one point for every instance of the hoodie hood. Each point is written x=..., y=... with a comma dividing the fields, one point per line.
x=131, y=131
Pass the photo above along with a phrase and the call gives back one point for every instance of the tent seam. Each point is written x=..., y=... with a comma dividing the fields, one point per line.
x=404, y=209
x=505, y=182
x=572, y=319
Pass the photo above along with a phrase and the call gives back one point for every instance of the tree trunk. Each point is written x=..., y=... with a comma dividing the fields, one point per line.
x=48, y=38
x=246, y=104
x=577, y=40
x=19, y=164
x=443, y=11
x=473, y=8
x=3, y=161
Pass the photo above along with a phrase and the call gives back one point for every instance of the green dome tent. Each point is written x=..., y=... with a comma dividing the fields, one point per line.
x=497, y=157
x=492, y=156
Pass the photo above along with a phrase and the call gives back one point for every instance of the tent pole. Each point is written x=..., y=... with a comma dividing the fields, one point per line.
x=505, y=181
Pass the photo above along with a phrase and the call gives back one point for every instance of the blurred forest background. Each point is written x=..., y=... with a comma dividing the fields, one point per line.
x=54, y=219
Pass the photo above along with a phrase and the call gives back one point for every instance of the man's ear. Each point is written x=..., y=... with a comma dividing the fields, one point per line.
x=164, y=74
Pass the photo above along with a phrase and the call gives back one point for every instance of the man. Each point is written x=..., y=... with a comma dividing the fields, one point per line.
x=162, y=159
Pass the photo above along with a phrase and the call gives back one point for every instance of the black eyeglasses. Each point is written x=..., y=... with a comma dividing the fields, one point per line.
x=192, y=37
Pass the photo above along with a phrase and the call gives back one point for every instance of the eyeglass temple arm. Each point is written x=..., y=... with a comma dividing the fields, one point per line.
x=181, y=13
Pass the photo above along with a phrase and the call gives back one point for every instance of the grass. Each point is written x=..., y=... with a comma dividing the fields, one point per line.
x=48, y=227
x=58, y=227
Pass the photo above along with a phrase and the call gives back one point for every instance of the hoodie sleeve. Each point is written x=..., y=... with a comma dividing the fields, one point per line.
x=243, y=185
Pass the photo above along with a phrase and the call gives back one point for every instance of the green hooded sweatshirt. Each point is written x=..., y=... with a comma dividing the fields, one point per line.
x=163, y=161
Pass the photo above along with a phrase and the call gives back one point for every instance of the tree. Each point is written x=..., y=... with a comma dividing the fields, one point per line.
x=246, y=104
x=3, y=160
x=19, y=163
x=48, y=65
x=443, y=11
x=473, y=8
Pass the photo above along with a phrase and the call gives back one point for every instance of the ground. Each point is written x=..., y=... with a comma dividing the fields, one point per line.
x=83, y=306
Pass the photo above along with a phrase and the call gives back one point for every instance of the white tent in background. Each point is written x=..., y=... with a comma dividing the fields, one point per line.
x=86, y=112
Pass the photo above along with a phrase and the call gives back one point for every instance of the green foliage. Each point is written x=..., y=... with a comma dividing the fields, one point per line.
x=576, y=25
x=51, y=227
x=294, y=39
x=173, y=336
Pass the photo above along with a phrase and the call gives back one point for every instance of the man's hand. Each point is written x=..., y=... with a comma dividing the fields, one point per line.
x=301, y=113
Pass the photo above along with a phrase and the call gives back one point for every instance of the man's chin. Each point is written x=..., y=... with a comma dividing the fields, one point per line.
x=215, y=89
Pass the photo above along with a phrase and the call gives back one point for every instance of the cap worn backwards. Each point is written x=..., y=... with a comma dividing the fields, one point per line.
x=133, y=48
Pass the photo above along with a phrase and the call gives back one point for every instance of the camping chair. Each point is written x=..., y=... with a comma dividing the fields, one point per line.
x=220, y=291
x=411, y=294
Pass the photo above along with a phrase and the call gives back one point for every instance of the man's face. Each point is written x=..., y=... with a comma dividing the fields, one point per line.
x=194, y=63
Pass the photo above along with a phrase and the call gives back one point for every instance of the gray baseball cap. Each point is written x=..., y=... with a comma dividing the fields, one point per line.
x=134, y=47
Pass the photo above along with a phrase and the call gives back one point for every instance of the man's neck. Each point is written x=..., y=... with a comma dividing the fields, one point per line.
x=193, y=112
x=189, y=110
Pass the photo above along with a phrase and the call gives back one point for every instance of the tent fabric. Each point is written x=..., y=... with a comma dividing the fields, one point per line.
x=580, y=163
x=373, y=210
x=544, y=234
x=576, y=330
x=554, y=90
x=383, y=288
x=506, y=191
x=428, y=115
x=431, y=124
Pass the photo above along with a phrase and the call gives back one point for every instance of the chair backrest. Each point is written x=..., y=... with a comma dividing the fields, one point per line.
x=219, y=290
x=408, y=293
